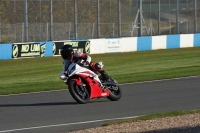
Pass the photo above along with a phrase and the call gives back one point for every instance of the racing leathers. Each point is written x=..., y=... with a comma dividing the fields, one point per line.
x=78, y=56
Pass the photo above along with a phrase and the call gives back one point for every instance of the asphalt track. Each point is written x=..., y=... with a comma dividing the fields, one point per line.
x=57, y=111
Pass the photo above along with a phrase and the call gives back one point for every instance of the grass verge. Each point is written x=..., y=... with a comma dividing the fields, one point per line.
x=42, y=74
x=152, y=116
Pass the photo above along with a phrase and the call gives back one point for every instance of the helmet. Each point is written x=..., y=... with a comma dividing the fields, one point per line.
x=67, y=51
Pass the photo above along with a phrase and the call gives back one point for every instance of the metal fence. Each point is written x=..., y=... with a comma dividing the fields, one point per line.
x=44, y=20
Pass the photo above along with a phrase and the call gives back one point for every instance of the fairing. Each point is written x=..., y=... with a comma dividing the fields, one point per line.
x=77, y=73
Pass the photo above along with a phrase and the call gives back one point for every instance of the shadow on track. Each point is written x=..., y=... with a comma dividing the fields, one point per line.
x=39, y=104
x=49, y=104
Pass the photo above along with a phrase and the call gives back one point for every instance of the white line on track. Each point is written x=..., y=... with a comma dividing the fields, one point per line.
x=32, y=93
x=66, y=124
x=198, y=76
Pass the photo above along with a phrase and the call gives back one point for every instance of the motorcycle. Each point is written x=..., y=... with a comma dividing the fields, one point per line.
x=85, y=84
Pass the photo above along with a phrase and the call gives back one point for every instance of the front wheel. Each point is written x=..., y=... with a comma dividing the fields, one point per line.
x=115, y=93
x=79, y=93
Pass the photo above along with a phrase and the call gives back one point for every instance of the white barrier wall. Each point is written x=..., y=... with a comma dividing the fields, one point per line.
x=97, y=46
x=129, y=44
x=186, y=40
x=159, y=42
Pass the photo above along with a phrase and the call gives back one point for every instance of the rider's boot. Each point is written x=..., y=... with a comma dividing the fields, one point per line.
x=106, y=77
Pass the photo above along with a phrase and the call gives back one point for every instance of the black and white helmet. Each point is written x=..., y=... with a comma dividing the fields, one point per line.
x=67, y=51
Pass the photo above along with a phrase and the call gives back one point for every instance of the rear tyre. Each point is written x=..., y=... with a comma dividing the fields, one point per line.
x=115, y=93
x=80, y=94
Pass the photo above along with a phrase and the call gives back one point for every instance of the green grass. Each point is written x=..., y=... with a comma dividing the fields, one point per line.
x=42, y=74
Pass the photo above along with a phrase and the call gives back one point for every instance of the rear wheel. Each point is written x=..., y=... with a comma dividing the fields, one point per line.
x=79, y=93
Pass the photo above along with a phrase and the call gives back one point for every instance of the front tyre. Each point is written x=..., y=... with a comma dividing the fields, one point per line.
x=79, y=93
x=115, y=93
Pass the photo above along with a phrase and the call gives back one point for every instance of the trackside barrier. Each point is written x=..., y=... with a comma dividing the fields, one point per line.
x=5, y=51
x=99, y=46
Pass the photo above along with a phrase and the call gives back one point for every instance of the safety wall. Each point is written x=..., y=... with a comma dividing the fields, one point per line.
x=99, y=46
x=128, y=44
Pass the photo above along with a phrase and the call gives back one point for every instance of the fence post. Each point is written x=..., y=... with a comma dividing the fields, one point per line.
x=26, y=20
x=75, y=19
x=0, y=22
x=158, y=17
x=98, y=19
x=177, y=16
x=51, y=21
x=140, y=18
x=0, y=26
x=195, y=16
x=119, y=18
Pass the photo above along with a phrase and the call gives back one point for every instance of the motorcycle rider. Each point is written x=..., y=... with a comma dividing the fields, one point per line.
x=69, y=55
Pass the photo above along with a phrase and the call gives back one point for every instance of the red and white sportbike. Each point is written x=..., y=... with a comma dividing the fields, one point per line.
x=84, y=84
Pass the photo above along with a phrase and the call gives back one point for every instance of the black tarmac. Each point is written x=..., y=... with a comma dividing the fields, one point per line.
x=58, y=112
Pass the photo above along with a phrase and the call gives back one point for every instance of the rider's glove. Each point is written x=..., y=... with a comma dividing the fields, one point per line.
x=86, y=63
